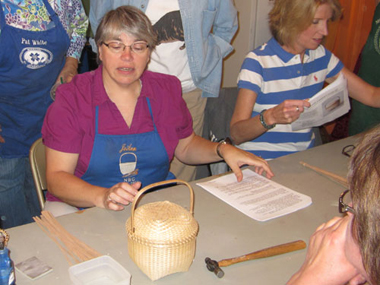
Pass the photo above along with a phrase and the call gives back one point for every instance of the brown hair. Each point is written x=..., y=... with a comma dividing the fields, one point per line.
x=288, y=18
x=128, y=20
x=364, y=181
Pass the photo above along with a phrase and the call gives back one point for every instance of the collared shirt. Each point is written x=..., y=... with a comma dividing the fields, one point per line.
x=205, y=50
x=32, y=16
x=276, y=75
x=69, y=124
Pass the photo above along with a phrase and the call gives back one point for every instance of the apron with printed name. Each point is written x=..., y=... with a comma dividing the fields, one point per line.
x=129, y=158
x=30, y=62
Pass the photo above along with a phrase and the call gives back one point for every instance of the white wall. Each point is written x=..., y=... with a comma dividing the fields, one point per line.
x=253, y=31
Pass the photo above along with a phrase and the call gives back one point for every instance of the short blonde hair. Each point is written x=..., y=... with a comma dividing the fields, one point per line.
x=288, y=18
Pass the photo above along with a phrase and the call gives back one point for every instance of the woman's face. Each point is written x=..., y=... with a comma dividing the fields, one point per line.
x=125, y=67
x=312, y=37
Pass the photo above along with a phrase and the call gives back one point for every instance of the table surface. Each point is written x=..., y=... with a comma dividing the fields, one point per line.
x=224, y=232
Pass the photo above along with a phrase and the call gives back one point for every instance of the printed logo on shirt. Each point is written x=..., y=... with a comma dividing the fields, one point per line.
x=35, y=57
x=169, y=29
x=127, y=163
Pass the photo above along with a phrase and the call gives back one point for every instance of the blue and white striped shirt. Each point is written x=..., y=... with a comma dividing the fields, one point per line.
x=276, y=75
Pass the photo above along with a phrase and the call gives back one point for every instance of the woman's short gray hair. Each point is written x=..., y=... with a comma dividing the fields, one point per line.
x=128, y=20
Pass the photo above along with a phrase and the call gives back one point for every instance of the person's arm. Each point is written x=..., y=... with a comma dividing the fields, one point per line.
x=197, y=150
x=225, y=23
x=326, y=262
x=76, y=25
x=69, y=70
x=98, y=8
x=74, y=20
x=244, y=128
x=63, y=184
x=360, y=90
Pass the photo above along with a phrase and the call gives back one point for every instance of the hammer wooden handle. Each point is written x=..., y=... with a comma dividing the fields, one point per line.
x=267, y=252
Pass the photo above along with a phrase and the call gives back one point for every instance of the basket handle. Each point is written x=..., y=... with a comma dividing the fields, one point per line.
x=166, y=182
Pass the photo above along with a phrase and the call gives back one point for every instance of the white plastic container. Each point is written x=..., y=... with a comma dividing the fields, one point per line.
x=102, y=270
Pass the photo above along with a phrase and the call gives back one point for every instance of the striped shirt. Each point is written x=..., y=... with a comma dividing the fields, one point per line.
x=276, y=75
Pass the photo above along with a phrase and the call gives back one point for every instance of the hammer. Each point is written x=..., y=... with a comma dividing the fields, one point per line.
x=214, y=266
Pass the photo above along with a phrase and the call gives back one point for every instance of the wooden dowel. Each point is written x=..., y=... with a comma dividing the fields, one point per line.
x=73, y=249
x=337, y=178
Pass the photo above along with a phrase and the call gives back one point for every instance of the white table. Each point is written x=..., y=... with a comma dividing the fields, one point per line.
x=224, y=231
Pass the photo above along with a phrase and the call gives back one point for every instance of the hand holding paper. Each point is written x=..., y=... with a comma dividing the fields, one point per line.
x=327, y=105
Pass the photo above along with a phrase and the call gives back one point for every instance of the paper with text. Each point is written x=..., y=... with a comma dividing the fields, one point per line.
x=256, y=196
x=327, y=105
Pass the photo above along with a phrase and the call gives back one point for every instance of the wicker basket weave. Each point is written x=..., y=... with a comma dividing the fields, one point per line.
x=162, y=235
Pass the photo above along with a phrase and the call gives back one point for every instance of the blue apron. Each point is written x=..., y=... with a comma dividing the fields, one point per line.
x=30, y=62
x=129, y=158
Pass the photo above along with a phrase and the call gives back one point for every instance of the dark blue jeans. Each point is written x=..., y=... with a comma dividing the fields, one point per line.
x=18, y=197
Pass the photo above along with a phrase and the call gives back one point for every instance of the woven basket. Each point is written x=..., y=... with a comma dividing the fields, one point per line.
x=161, y=235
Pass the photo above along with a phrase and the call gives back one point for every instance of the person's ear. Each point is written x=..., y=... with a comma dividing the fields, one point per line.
x=100, y=53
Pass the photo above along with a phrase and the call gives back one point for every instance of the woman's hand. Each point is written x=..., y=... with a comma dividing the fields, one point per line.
x=120, y=195
x=244, y=127
x=286, y=112
x=69, y=70
x=326, y=261
x=235, y=158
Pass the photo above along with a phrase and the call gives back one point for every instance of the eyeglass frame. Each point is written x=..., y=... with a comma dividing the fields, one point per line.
x=345, y=150
x=125, y=46
x=343, y=207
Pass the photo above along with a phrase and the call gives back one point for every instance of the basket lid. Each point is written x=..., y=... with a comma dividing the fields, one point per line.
x=163, y=223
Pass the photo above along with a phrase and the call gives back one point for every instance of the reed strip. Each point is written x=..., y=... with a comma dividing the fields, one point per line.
x=74, y=250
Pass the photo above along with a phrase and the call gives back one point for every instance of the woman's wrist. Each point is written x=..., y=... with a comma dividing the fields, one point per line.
x=221, y=145
x=265, y=121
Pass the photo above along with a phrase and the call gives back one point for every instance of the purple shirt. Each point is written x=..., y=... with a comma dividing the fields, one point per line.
x=69, y=124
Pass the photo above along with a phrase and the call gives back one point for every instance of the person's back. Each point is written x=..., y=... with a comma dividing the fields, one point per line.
x=364, y=117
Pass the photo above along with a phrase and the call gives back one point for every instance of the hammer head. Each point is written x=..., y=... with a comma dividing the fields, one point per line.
x=213, y=266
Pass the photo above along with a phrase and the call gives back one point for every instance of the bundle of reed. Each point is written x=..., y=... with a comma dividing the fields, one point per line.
x=74, y=250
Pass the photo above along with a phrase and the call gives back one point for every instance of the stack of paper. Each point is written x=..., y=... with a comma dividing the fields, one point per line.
x=256, y=196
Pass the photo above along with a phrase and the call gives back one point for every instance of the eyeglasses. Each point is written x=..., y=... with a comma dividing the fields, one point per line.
x=348, y=149
x=118, y=47
x=343, y=206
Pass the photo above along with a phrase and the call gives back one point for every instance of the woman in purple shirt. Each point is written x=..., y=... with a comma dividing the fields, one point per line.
x=115, y=129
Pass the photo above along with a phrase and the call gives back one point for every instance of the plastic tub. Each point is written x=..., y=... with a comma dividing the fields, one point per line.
x=102, y=270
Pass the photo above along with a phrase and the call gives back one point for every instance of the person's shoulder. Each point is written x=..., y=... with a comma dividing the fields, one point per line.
x=160, y=76
x=161, y=87
x=267, y=49
x=79, y=89
x=160, y=80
